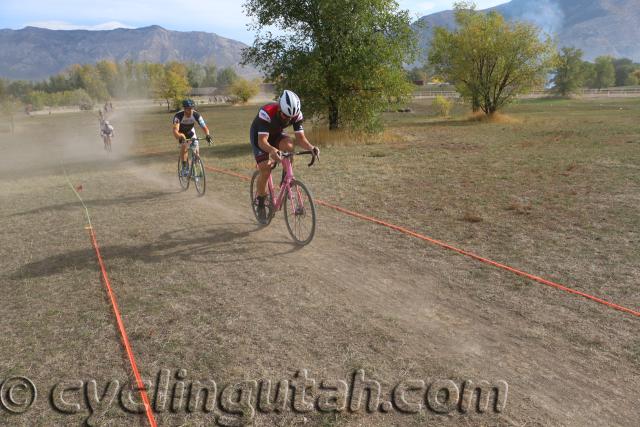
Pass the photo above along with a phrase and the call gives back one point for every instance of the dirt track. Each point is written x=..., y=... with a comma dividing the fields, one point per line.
x=201, y=287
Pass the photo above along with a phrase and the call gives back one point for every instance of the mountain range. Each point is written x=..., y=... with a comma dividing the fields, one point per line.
x=37, y=53
x=598, y=27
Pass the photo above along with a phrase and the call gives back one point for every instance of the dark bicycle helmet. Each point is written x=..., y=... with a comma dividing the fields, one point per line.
x=188, y=103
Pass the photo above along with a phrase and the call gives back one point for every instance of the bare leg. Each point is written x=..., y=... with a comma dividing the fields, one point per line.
x=184, y=148
x=265, y=170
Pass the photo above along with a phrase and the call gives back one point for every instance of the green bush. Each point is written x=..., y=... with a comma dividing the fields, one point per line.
x=243, y=90
x=39, y=99
x=442, y=105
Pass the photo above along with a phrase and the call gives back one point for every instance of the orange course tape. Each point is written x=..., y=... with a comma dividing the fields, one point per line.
x=114, y=304
x=454, y=249
x=123, y=333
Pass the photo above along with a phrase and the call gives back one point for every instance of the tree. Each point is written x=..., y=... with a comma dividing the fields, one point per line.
x=59, y=83
x=624, y=69
x=211, y=75
x=9, y=105
x=344, y=58
x=108, y=72
x=589, y=73
x=171, y=85
x=196, y=74
x=417, y=74
x=489, y=60
x=244, y=90
x=226, y=77
x=604, y=72
x=91, y=81
x=19, y=88
x=569, y=73
x=631, y=80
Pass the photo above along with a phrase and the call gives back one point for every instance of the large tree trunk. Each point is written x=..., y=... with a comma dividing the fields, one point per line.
x=334, y=118
x=475, y=104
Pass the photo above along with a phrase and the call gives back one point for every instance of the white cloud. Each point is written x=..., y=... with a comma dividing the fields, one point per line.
x=223, y=17
x=61, y=25
x=426, y=6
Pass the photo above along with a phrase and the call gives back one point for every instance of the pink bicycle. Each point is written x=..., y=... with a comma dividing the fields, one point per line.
x=299, y=212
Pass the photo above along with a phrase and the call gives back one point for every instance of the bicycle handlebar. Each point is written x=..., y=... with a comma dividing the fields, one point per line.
x=198, y=139
x=299, y=153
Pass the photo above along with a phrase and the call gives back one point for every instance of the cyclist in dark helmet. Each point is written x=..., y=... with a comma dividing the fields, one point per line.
x=184, y=131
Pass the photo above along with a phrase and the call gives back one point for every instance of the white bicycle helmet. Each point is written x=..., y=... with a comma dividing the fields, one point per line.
x=290, y=104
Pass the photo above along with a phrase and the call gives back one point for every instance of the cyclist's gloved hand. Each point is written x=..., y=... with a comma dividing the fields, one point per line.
x=209, y=139
x=182, y=140
x=276, y=155
x=316, y=152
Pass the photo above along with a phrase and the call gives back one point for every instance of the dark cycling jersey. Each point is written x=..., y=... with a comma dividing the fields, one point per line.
x=188, y=124
x=269, y=122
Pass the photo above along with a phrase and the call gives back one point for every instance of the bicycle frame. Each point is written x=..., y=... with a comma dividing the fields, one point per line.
x=191, y=153
x=286, y=183
x=291, y=191
x=193, y=159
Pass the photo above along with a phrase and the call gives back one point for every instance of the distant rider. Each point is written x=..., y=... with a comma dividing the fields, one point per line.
x=107, y=133
x=184, y=131
x=268, y=139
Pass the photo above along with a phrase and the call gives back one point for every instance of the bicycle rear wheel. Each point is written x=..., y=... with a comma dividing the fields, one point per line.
x=300, y=213
x=184, y=180
x=198, y=176
x=268, y=203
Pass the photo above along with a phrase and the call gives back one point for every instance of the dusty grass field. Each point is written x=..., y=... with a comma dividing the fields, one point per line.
x=554, y=190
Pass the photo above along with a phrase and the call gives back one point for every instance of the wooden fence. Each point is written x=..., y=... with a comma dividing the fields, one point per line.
x=586, y=93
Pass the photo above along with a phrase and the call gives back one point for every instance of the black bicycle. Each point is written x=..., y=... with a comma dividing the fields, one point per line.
x=195, y=171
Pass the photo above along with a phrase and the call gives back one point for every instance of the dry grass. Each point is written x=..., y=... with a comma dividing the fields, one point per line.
x=499, y=118
x=322, y=136
x=543, y=174
x=471, y=217
x=520, y=207
x=203, y=288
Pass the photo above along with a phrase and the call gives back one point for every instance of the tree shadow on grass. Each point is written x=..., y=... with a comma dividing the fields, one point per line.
x=225, y=243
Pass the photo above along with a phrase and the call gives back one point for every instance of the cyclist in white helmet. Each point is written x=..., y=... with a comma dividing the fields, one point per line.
x=268, y=138
x=107, y=133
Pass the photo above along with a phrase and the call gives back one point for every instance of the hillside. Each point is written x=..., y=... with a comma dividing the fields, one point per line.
x=36, y=53
x=598, y=27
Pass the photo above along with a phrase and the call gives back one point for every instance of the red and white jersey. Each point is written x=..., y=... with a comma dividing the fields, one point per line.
x=270, y=122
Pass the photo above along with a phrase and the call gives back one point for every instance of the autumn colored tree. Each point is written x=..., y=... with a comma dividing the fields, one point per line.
x=489, y=60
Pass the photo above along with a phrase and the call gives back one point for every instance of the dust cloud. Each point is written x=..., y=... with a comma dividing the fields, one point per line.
x=42, y=142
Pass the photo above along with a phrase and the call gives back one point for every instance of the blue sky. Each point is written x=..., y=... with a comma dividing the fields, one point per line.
x=223, y=17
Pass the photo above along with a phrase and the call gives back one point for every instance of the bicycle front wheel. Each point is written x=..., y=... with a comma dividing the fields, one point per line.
x=184, y=180
x=198, y=176
x=300, y=213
